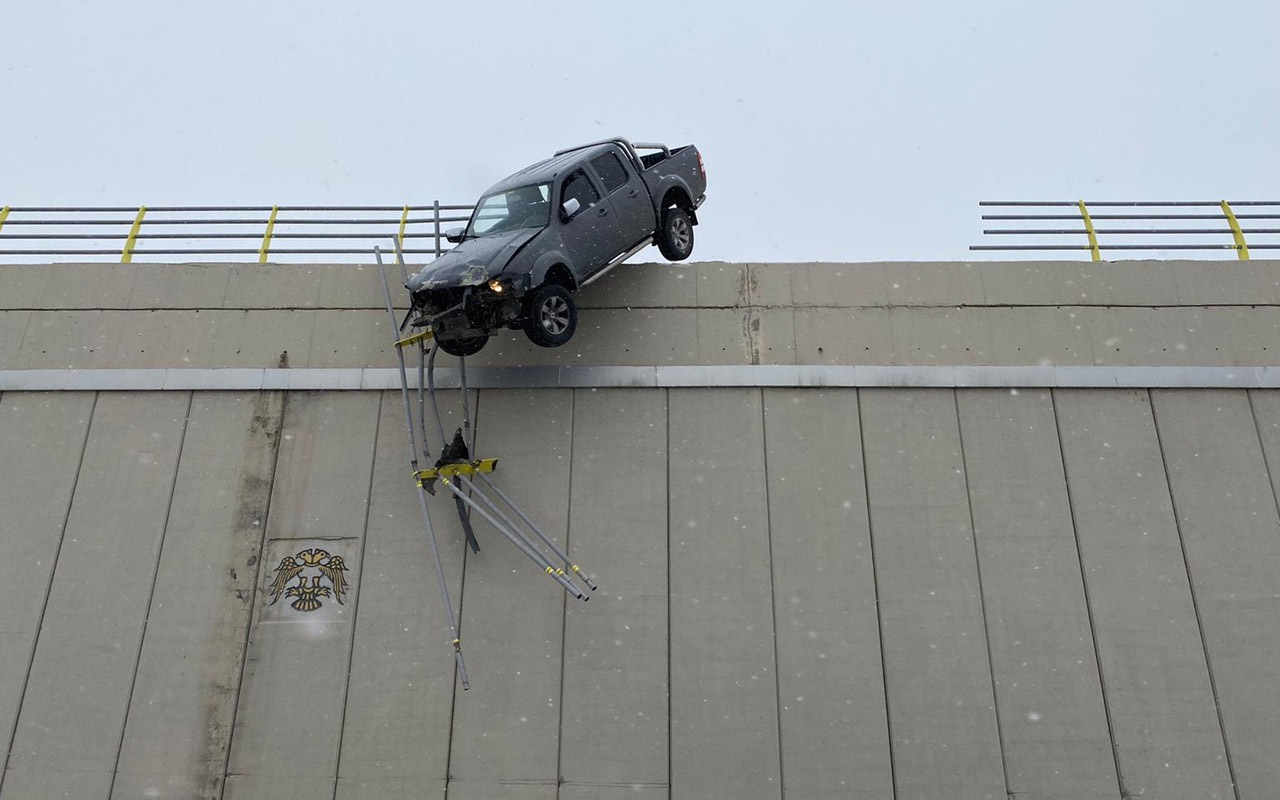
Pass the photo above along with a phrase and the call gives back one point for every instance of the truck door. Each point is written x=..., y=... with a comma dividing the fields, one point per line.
x=628, y=195
x=591, y=235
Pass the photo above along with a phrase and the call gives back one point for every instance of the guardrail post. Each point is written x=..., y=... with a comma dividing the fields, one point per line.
x=404, y=218
x=1242, y=249
x=266, y=237
x=4, y=214
x=1088, y=228
x=436, y=208
x=126, y=255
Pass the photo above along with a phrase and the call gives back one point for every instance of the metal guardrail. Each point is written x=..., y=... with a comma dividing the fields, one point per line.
x=1136, y=224
x=58, y=231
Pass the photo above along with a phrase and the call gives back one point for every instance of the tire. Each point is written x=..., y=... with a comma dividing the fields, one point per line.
x=675, y=239
x=553, y=316
x=468, y=346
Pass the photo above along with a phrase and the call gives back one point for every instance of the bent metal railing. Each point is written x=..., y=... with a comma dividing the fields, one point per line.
x=1137, y=224
x=36, y=233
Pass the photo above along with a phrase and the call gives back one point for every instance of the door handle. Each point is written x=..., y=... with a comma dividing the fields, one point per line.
x=604, y=212
x=633, y=193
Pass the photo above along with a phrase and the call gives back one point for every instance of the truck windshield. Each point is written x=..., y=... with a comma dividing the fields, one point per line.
x=521, y=207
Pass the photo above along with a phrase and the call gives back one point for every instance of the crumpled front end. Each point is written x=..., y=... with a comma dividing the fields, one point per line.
x=464, y=292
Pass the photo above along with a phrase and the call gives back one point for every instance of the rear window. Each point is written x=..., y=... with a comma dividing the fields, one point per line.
x=610, y=170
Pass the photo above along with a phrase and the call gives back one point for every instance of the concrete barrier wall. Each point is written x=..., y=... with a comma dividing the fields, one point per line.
x=804, y=593
x=887, y=592
x=1063, y=313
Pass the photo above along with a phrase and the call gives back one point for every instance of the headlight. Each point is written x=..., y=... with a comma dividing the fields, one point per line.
x=497, y=286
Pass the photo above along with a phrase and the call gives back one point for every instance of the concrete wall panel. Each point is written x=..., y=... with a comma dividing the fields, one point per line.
x=942, y=718
x=506, y=730
x=835, y=737
x=289, y=712
x=724, y=704
x=1164, y=721
x=69, y=729
x=400, y=697
x=44, y=438
x=1228, y=520
x=1052, y=713
x=614, y=729
x=183, y=700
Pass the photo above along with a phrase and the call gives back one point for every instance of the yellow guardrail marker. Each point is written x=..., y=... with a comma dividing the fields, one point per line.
x=404, y=219
x=453, y=470
x=1088, y=228
x=417, y=337
x=266, y=237
x=1242, y=249
x=126, y=255
x=4, y=214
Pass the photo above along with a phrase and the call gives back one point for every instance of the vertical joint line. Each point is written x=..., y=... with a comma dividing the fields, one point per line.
x=773, y=592
x=564, y=599
x=1242, y=249
x=1088, y=599
x=982, y=597
x=151, y=594
x=355, y=599
x=1088, y=228
x=666, y=394
x=126, y=255
x=1191, y=587
x=266, y=237
x=875, y=585
x=48, y=590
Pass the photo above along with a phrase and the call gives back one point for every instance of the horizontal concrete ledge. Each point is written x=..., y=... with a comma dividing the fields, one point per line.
x=371, y=379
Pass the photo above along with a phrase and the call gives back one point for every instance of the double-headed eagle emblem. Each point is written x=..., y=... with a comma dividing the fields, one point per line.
x=309, y=588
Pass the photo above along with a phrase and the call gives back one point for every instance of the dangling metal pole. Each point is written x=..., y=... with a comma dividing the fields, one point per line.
x=431, y=392
x=520, y=542
x=546, y=539
x=468, y=433
x=422, y=491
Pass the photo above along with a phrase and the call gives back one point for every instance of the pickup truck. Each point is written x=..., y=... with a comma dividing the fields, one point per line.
x=538, y=236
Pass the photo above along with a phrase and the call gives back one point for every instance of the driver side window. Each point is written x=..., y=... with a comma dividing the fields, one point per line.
x=577, y=186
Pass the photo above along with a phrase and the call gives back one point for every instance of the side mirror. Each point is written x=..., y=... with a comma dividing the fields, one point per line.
x=454, y=235
x=571, y=207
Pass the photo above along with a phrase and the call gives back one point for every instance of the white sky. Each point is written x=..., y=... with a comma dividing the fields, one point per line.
x=831, y=131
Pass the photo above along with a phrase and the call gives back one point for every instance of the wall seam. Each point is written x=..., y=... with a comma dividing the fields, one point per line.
x=875, y=583
x=355, y=616
x=1088, y=599
x=1195, y=600
x=151, y=594
x=982, y=598
x=773, y=592
x=53, y=569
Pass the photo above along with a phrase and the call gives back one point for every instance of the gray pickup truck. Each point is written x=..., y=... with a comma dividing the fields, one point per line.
x=541, y=234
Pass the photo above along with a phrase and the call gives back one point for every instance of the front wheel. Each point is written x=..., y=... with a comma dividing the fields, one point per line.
x=675, y=238
x=553, y=316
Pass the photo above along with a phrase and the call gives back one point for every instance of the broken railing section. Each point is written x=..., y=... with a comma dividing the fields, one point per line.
x=462, y=474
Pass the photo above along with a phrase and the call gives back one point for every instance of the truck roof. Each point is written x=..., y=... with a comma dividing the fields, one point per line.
x=548, y=169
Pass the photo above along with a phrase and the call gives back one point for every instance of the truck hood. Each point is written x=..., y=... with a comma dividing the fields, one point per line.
x=473, y=262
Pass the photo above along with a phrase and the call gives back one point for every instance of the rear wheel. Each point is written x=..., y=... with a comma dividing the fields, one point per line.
x=553, y=316
x=675, y=239
x=466, y=346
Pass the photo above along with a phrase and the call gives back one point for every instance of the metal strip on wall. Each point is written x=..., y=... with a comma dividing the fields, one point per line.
x=692, y=376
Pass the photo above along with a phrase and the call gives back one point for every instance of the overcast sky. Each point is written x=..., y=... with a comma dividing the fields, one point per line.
x=831, y=131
